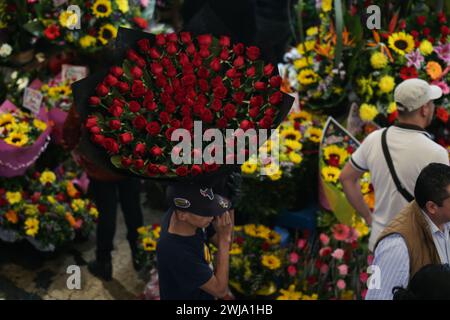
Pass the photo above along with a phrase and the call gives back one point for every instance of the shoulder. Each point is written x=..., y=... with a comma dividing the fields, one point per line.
x=373, y=136
x=392, y=244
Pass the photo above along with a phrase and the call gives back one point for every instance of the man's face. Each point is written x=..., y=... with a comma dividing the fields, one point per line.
x=443, y=212
x=198, y=221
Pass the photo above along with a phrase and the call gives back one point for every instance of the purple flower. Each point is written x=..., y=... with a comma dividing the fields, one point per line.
x=443, y=52
x=414, y=59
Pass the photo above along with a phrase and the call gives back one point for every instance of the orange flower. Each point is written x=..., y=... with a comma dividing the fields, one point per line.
x=72, y=191
x=370, y=200
x=434, y=70
x=12, y=217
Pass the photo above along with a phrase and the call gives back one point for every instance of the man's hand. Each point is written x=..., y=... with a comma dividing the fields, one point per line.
x=224, y=227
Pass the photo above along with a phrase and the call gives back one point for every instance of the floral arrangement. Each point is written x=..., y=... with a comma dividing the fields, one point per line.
x=19, y=128
x=310, y=67
x=256, y=260
x=167, y=84
x=96, y=28
x=148, y=237
x=46, y=208
x=57, y=94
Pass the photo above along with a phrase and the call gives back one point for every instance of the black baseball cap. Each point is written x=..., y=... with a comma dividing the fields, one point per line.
x=197, y=199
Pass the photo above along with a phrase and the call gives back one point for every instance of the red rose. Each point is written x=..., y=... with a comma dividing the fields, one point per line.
x=52, y=32
x=110, y=80
x=140, y=22
x=138, y=164
x=203, y=73
x=232, y=73
x=42, y=208
x=126, y=137
x=239, y=62
x=204, y=39
x=139, y=150
x=91, y=122
x=94, y=130
x=186, y=37
x=265, y=123
x=215, y=64
x=164, y=117
x=154, y=53
x=137, y=89
x=102, y=90
x=111, y=145
x=426, y=32
x=204, y=52
x=217, y=82
x=116, y=111
x=153, y=128
x=94, y=101
x=220, y=92
x=444, y=31
x=250, y=72
x=136, y=72
x=196, y=170
x=188, y=80
x=203, y=85
x=256, y=101
x=276, y=98
x=415, y=33
x=224, y=54
x=442, y=114
x=216, y=105
x=98, y=139
x=182, y=171
x=229, y=111
x=132, y=55
x=172, y=37
x=115, y=124
x=259, y=85
x=191, y=49
x=238, y=49
x=402, y=25
x=139, y=122
x=270, y=112
x=163, y=169
x=172, y=48
x=222, y=123
x=156, y=151
x=151, y=105
x=268, y=70
x=152, y=169
x=187, y=123
x=253, y=112
x=442, y=18
x=421, y=20
x=171, y=71
x=175, y=123
x=238, y=97
x=143, y=44
x=156, y=68
x=206, y=115
x=160, y=39
x=123, y=87
x=126, y=162
x=224, y=41
x=275, y=81
x=246, y=124
x=253, y=53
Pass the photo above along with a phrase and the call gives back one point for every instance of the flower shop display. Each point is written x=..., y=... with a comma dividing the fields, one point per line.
x=336, y=148
x=45, y=208
x=148, y=237
x=23, y=137
x=166, y=82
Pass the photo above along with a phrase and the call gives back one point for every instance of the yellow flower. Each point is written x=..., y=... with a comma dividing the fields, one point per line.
x=327, y=5
x=365, y=187
x=143, y=230
x=378, y=60
x=31, y=210
x=13, y=197
x=262, y=232
x=314, y=296
x=250, y=229
x=31, y=226
x=386, y=84
x=334, y=150
x=106, y=33
x=291, y=134
x=331, y=174
x=22, y=127
x=361, y=227
x=6, y=119
x=312, y=31
x=47, y=177
x=314, y=134
x=93, y=212
x=123, y=5
x=271, y=262
x=87, y=41
x=306, y=46
x=101, y=8
x=295, y=157
x=149, y=244
x=238, y=228
x=68, y=19
x=434, y=70
x=273, y=237
x=78, y=204
x=51, y=199
x=290, y=294
x=17, y=139
x=235, y=249
x=426, y=48
x=307, y=76
x=40, y=125
x=401, y=42
x=392, y=107
x=248, y=168
x=301, y=116
x=367, y=112
x=303, y=62
x=273, y=171
x=293, y=144
x=156, y=232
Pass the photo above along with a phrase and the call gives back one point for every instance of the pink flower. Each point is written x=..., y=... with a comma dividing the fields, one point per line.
x=293, y=257
x=292, y=270
x=324, y=239
x=341, y=232
x=301, y=243
x=338, y=254
x=363, y=277
x=369, y=259
x=341, y=284
x=324, y=268
x=443, y=86
x=353, y=236
x=343, y=269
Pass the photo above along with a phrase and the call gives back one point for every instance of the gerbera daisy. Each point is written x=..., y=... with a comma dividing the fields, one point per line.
x=408, y=73
x=106, y=33
x=401, y=42
x=434, y=70
x=102, y=8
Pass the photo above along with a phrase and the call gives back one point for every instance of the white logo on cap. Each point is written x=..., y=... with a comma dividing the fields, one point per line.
x=208, y=192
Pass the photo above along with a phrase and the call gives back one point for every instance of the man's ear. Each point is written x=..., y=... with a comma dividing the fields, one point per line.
x=424, y=110
x=431, y=207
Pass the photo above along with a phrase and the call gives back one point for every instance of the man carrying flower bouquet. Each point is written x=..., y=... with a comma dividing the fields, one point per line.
x=184, y=261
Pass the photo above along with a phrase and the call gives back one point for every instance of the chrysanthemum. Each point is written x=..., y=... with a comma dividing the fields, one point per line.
x=426, y=48
x=368, y=112
x=378, y=60
x=401, y=42
x=386, y=84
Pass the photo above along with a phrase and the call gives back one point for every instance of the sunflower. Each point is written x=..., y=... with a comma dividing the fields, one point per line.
x=17, y=139
x=401, y=42
x=31, y=226
x=307, y=76
x=13, y=197
x=250, y=229
x=331, y=174
x=301, y=116
x=6, y=119
x=273, y=237
x=40, y=125
x=306, y=46
x=335, y=151
x=273, y=171
x=102, y=8
x=293, y=144
x=249, y=168
x=149, y=244
x=303, y=62
x=378, y=60
x=106, y=33
x=295, y=157
x=434, y=70
x=290, y=294
x=87, y=41
x=367, y=112
x=314, y=134
x=271, y=262
x=262, y=232
x=47, y=177
x=291, y=134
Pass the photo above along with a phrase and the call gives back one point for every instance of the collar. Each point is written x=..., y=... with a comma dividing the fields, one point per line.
x=433, y=227
x=408, y=126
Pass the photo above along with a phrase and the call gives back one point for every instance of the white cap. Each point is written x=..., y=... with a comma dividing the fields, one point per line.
x=414, y=93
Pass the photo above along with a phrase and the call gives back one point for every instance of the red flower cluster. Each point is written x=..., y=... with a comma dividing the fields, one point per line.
x=168, y=84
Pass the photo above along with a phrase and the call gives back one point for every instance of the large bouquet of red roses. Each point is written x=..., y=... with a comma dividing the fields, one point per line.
x=166, y=82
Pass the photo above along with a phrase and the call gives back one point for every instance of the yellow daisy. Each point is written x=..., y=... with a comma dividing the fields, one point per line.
x=250, y=229
x=303, y=62
x=78, y=204
x=295, y=157
x=312, y=31
x=401, y=42
x=102, y=8
x=386, y=84
x=17, y=139
x=334, y=150
x=106, y=33
x=93, y=212
x=331, y=174
x=123, y=5
x=306, y=46
x=271, y=262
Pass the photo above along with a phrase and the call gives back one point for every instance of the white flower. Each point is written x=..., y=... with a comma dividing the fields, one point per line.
x=22, y=83
x=5, y=50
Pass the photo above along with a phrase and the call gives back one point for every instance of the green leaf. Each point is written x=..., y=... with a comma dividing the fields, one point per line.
x=116, y=161
x=34, y=27
x=126, y=68
x=339, y=27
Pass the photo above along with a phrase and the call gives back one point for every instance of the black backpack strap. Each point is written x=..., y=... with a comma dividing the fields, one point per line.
x=390, y=164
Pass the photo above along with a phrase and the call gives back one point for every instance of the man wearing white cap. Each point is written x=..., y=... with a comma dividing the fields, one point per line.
x=395, y=156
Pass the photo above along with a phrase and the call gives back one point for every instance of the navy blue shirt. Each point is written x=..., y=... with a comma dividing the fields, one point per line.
x=182, y=264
